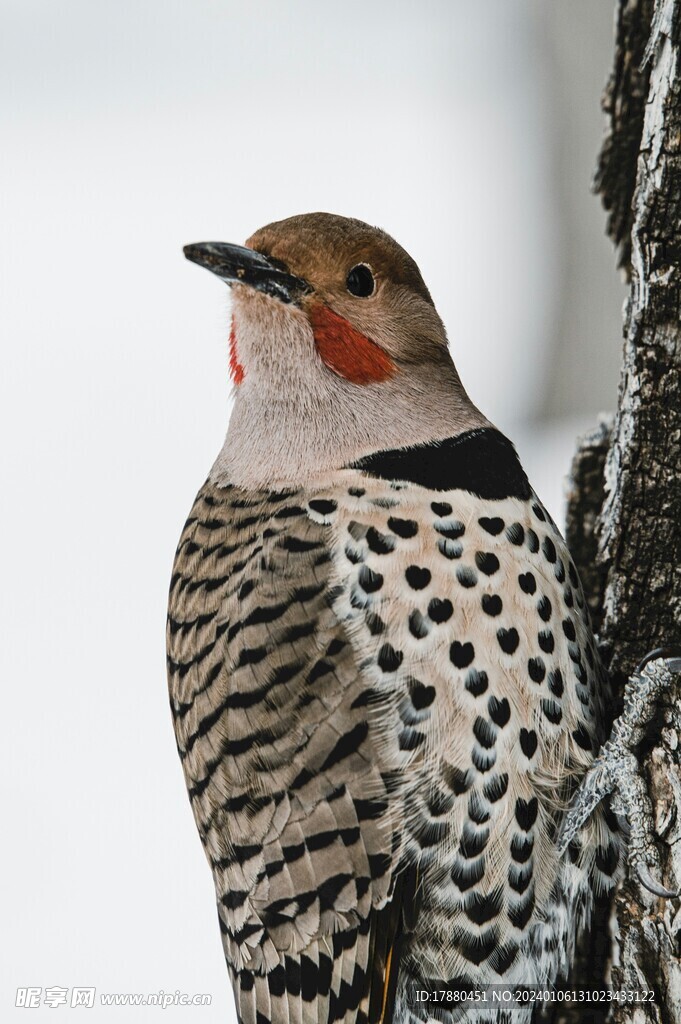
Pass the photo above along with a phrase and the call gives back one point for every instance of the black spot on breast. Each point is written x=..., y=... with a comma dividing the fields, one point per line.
x=378, y=542
x=356, y=492
x=574, y=578
x=568, y=598
x=458, y=781
x=546, y=641
x=484, y=733
x=502, y=959
x=422, y=696
x=410, y=739
x=569, y=629
x=439, y=803
x=466, y=577
x=486, y=562
x=353, y=555
x=441, y=508
x=515, y=533
x=521, y=848
x=549, y=549
x=323, y=506
x=404, y=528
x=526, y=813
x=476, y=682
x=528, y=583
x=452, y=530
x=491, y=604
x=552, y=711
x=532, y=541
x=519, y=877
x=575, y=652
x=375, y=623
x=536, y=669
x=495, y=787
x=559, y=571
x=417, y=577
x=582, y=738
x=499, y=711
x=477, y=809
x=493, y=525
x=460, y=654
x=582, y=695
x=473, y=841
x=556, y=685
x=482, y=909
x=440, y=610
x=466, y=875
x=418, y=627
x=369, y=580
x=520, y=915
x=544, y=608
x=479, y=947
x=508, y=640
x=389, y=660
x=539, y=512
x=528, y=742
x=449, y=548
x=482, y=759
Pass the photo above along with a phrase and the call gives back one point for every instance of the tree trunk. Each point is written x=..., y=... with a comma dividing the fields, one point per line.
x=624, y=511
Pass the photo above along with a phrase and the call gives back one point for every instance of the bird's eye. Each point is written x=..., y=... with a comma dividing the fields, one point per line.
x=360, y=281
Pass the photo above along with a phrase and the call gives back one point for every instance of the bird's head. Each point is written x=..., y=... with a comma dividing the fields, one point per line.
x=335, y=336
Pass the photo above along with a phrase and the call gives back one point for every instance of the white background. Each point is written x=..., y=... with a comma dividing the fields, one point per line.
x=468, y=131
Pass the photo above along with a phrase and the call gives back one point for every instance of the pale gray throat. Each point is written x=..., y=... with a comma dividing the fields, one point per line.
x=293, y=432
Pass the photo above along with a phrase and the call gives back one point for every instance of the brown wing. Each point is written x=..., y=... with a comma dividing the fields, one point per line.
x=275, y=726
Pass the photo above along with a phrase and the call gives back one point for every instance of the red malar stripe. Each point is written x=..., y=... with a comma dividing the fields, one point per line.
x=236, y=370
x=346, y=351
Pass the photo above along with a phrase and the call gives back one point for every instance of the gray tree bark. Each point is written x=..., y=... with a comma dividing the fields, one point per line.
x=624, y=508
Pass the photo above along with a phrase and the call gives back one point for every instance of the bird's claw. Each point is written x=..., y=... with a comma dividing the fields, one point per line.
x=615, y=770
x=650, y=883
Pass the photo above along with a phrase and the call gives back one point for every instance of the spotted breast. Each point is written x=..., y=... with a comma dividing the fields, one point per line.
x=385, y=690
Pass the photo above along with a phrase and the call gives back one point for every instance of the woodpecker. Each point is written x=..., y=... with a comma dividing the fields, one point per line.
x=384, y=682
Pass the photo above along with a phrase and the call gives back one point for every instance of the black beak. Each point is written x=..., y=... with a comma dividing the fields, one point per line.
x=235, y=264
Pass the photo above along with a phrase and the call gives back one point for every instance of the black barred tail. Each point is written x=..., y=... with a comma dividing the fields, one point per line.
x=325, y=984
x=349, y=977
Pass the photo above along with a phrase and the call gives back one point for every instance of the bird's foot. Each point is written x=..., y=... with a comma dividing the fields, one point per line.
x=615, y=772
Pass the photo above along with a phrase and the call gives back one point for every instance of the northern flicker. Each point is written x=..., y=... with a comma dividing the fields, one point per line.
x=384, y=682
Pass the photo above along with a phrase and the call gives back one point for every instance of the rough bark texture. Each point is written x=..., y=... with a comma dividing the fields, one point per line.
x=624, y=102
x=630, y=553
x=584, y=503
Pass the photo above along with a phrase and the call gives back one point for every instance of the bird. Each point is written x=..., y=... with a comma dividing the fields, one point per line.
x=384, y=682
